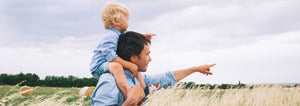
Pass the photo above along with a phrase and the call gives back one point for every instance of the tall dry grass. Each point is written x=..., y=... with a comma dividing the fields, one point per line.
x=42, y=97
x=263, y=95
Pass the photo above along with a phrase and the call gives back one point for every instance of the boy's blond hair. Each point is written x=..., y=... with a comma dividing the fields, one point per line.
x=111, y=11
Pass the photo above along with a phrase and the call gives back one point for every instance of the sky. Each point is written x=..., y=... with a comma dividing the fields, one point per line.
x=252, y=41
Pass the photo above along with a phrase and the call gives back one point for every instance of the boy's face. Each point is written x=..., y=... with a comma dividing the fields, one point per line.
x=124, y=22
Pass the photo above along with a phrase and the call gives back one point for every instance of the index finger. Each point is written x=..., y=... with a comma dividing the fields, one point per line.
x=152, y=34
x=212, y=65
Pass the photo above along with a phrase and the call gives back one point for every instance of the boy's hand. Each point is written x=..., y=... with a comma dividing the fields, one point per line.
x=149, y=35
x=134, y=69
x=204, y=69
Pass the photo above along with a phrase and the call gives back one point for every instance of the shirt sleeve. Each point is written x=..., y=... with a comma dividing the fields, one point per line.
x=164, y=79
x=106, y=93
x=109, y=47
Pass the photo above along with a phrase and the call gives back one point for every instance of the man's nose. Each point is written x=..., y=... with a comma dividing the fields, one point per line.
x=150, y=59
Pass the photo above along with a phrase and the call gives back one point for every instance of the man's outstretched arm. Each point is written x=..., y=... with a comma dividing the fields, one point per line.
x=204, y=69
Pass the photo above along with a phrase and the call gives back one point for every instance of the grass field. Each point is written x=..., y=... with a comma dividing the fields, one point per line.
x=270, y=95
x=260, y=95
x=47, y=96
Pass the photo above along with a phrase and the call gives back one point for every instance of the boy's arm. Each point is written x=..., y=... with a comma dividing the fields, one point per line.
x=126, y=64
x=149, y=35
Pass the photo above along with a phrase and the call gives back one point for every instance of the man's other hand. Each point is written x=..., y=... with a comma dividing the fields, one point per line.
x=134, y=96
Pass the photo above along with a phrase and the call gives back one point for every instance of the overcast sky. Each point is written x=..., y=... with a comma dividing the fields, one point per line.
x=254, y=41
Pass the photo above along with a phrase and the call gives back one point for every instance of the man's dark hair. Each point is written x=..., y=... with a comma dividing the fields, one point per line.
x=130, y=44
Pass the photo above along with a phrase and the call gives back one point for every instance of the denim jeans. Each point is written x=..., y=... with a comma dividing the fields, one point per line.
x=100, y=70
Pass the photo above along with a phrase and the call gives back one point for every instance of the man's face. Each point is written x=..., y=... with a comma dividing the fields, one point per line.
x=143, y=59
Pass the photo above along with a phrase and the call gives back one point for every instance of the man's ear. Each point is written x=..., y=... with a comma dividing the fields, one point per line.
x=133, y=58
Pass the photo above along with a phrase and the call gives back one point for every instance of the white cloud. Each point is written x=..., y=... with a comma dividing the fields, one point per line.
x=69, y=56
x=235, y=19
x=251, y=41
x=270, y=60
x=49, y=21
x=221, y=25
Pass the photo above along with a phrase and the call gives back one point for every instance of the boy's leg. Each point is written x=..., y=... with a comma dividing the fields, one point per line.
x=141, y=80
x=96, y=75
x=118, y=72
x=100, y=70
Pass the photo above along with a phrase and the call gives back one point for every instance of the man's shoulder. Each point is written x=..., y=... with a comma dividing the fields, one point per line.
x=106, y=92
x=107, y=77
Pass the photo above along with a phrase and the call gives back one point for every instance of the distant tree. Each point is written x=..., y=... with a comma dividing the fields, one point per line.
x=4, y=78
x=190, y=85
x=212, y=86
x=20, y=77
x=31, y=79
x=71, y=80
x=52, y=81
x=224, y=86
x=13, y=79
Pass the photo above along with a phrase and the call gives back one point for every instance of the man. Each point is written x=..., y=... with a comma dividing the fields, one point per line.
x=134, y=47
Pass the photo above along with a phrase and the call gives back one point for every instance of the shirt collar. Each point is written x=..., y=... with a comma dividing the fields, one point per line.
x=114, y=30
x=128, y=73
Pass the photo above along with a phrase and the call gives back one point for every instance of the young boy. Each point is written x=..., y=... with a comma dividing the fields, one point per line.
x=115, y=19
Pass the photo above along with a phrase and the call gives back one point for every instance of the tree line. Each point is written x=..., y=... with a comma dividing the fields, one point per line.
x=51, y=81
x=72, y=81
x=192, y=85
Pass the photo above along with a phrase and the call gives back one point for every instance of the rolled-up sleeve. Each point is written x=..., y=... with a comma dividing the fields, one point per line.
x=164, y=79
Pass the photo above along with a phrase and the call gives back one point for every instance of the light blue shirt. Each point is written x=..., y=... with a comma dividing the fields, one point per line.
x=107, y=92
x=106, y=50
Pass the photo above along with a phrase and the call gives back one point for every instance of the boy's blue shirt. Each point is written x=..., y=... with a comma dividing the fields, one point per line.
x=106, y=50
